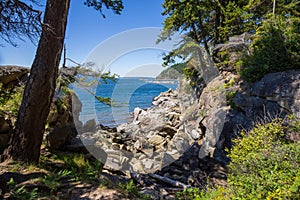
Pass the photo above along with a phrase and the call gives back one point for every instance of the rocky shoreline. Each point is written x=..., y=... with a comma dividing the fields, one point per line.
x=156, y=149
x=180, y=141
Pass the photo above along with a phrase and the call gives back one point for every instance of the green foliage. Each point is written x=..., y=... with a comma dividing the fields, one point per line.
x=10, y=101
x=52, y=181
x=66, y=90
x=105, y=77
x=189, y=72
x=115, y=5
x=275, y=48
x=197, y=194
x=172, y=72
x=208, y=23
x=80, y=168
x=130, y=188
x=264, y=165
x=59, y=104
x=193, y=75
x=223, y=59
x=105, y=100
x=230, y=96
x=189, y=194
x=235, y=19
x=11, y=183
x=238, y=65
x=20, y=193
x=294, y=125
x=86, y=76
x=229, y=84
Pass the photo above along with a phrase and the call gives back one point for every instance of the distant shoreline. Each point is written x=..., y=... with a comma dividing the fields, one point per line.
x=162, y=81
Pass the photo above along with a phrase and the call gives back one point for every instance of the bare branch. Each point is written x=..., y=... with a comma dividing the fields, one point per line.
x=19, y=20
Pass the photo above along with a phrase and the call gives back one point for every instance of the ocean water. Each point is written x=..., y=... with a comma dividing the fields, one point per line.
x=126, y=94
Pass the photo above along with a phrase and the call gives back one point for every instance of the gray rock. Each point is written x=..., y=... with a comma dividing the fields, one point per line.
x=180, y=142
x=195, y=134
x=89, y=126
x=11, y=76
x=148, y=164
x=151, y=121
x=213, y=96
x=127, y=128
x=117, y=160
x=75, y=145
x=256, y=108
x=169, y=157
x=282, y=88
x=64, y=111
x=170, y=130
x=4, y=141
x=156, y=140
x=214, y=124
x=6, y=131
x=136, y=113
x=59, y=137
x=4, y=125
x=76, y=109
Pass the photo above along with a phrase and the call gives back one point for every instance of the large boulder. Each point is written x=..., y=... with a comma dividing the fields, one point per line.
x=11, y=76
x=59, y=137
x=4, y=125
x=63, y=121
x=257, y=108
x=282, y=88
x=5, y=132
x=276, y=95
x=89, y=126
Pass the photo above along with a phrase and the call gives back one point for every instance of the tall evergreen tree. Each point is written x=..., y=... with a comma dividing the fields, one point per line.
x=214, y=22
x=28, y=134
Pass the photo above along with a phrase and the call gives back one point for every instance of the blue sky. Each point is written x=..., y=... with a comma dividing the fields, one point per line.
x=87, y=29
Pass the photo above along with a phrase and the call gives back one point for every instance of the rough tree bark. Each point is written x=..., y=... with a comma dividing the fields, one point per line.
x=28, y=135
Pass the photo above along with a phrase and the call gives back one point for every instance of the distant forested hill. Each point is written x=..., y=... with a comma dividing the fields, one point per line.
x=172, y=72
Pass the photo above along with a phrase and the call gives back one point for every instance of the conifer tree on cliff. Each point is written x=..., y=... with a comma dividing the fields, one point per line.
x=28, y=134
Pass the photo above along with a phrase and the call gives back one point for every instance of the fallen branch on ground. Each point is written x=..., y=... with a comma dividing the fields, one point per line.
x=169, y=181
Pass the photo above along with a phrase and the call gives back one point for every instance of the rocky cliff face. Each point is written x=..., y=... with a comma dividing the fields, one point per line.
x=180, y=121
x=228, y=106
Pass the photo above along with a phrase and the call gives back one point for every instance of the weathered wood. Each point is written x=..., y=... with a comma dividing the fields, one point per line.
x=169, y=181
x=142, y=179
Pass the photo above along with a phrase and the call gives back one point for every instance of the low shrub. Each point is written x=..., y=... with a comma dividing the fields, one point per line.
x=264, y=165
x=275, y=48
x=10, y=100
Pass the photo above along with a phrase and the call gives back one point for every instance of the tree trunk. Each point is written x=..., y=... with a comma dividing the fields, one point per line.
x=30, y=126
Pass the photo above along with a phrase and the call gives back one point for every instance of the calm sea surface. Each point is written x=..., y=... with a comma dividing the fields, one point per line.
x=126, y=94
